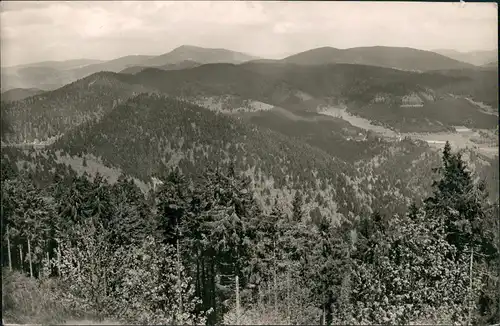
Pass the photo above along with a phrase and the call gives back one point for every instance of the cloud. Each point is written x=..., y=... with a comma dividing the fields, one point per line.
x=36, y=31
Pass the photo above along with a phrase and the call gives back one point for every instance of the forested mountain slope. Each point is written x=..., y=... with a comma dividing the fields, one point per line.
x=51, y=114
x=385, y=95
x=364, y=85
x=150, y=133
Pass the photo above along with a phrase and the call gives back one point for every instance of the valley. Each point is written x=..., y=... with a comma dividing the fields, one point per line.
x=484, y=141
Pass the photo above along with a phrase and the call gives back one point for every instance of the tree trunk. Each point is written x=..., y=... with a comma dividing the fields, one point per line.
x=59, y=274
x=179, y=283
x=470, y=288
x=8, y=252
x=213, y=291
x=21, y=257
x=275, y=290
x=323, y=318
x=237, y=300
x=198, y=291
x=79, y=270
x=204, y=288
x=288, y=297
x=329, y=312
x=29, y=257
x=48, y=264
x=261, y=301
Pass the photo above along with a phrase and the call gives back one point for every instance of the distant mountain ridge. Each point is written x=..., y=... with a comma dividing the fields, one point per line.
x=114, y=65
x=490, y=65
x=65, y=64
x=17, y=94
x=52, y=75
x=381, y=56
x=478, y=58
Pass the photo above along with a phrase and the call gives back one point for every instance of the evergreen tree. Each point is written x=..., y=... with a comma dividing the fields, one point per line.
x=298, y=207
x=131, y=221
x=457, y=202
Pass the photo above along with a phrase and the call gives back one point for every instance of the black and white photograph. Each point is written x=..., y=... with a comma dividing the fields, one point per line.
x=249, y=163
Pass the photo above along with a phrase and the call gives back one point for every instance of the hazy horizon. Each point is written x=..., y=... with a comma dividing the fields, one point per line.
x=56, y=31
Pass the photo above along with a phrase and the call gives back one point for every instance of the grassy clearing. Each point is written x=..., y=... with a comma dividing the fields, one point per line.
x=28, y=300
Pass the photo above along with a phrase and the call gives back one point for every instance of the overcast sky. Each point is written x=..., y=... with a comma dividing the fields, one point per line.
x=39, y=31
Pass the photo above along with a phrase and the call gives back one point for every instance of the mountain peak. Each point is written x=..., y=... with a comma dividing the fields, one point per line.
x=189, y=47
x=200, y=55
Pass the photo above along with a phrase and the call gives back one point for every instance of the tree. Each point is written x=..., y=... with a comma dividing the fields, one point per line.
x=87, y=266
x=331, y=260
x=298, y=207
x=172, y=203
x=406, y=272
x=465, y=218
x=457, y=202
x=132, y=220
x=150, y=291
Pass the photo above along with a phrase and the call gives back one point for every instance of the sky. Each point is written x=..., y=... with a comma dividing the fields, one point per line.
x=62, y=30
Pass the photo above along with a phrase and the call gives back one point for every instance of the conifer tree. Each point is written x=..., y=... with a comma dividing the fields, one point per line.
x=298, y=207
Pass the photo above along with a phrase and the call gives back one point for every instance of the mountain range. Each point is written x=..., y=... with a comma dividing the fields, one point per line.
x=52, y=75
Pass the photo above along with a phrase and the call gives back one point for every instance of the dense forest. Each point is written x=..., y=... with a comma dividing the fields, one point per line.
x=199, y=248
x=149, y=134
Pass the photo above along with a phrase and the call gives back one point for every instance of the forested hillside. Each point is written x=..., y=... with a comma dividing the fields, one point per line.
x=51, y=114
x=393, y=97
x=150, y=133
x=202, y=249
